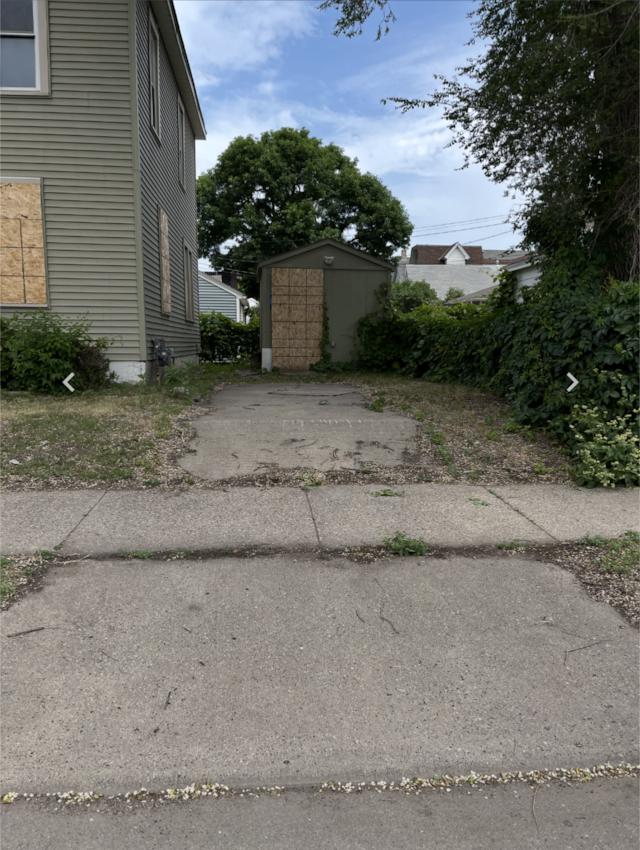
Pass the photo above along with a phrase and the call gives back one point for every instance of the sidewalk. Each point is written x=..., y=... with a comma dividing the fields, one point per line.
x=451, y=515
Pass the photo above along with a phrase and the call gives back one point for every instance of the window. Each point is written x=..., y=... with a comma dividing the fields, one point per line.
x=23, y=278
x=165, y=268
x=154, y=76
x=188, y=284
x=23, y=48
x=181, y=143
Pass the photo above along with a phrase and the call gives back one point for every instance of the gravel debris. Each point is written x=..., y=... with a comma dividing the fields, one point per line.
x=405, y=785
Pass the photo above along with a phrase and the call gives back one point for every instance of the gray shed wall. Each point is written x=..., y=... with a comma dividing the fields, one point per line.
x=351, y=290
x=160, y=187
x=80, y=141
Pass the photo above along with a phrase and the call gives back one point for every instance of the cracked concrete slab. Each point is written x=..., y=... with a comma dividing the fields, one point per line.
x=34, y=521
x=569, y=513
x=291, y=427
x=199, y=519
x=602, y=814
x=458, y=515
x=276, y=671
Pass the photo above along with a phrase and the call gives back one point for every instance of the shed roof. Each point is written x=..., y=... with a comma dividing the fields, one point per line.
x=338, y=246
x=169, y=28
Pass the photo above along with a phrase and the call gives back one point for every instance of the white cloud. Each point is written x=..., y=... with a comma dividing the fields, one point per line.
x=228, y=35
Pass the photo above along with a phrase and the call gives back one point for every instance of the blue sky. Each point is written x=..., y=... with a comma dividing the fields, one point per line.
x=264, y=64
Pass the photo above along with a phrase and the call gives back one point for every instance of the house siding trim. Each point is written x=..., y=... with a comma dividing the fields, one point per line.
x=137, y=189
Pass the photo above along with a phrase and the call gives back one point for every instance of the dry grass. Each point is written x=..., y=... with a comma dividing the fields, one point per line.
x=131, y=436
x=468, y=435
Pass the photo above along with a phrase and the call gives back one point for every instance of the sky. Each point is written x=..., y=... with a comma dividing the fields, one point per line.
x=260, y=65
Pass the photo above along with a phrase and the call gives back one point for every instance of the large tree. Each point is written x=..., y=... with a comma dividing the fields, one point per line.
x=285, y=190
x=549, y=108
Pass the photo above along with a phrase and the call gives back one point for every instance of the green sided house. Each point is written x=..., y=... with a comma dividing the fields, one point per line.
x=298, y=286
x=98, y=187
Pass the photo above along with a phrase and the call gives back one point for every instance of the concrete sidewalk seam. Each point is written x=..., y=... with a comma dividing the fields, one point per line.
x=313, y=519
x=518, y=511
x=79, y=523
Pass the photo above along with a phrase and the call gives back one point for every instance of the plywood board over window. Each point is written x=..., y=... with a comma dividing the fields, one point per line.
x=296, y=317
x=23, y=278
x=165, y=270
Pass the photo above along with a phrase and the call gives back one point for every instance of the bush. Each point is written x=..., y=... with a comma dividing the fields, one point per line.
x=40, y=349
x=407, y=295
x=223, y=340
x=453, y=292
x=568, y=322
x=6, y=333
x=606, y=448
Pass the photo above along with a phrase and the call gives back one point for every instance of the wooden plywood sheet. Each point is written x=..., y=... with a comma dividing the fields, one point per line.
x=296, y=317
x=35, y=290
x=10, y=233
x=22, y=264
x=20, y=200
x=12, y=289
x=165, y=266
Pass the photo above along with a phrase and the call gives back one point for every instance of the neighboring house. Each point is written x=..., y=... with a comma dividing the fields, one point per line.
x=466, y=267
x=218, y=297
x=295, y=289
x=527, y=273
x=475, y=297
x=99, y=121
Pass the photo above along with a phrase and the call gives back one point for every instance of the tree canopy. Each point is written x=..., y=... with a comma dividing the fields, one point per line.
x=549, y=108
x=285, y=190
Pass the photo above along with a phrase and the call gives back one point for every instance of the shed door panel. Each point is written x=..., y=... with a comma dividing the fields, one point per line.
x=296, y=317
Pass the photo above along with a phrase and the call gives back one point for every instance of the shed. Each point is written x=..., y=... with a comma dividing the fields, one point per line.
x=218, y=297
x=296, y=286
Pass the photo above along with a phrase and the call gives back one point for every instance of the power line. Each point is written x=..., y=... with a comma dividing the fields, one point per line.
x=460, y=229
x=455, y=223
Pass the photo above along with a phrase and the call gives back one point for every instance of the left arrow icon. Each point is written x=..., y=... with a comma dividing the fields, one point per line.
x=66, y=381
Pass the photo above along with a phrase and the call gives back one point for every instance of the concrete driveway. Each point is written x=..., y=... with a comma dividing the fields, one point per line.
x=285, y=671
x=320, y=427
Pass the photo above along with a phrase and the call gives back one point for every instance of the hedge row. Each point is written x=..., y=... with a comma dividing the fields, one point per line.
x=523, y=351
x=223, y=340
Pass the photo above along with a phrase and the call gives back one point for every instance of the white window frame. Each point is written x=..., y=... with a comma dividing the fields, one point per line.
x=189, y=288
x=182, y=162
x=154, y=85
x=41, y=35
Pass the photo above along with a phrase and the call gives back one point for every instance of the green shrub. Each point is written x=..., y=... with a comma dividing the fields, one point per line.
x=569, y=322
x=222, y=339
x=606, y=448
x=6, y=370
x=40, y=349
x=406, y=295
x=453, y=292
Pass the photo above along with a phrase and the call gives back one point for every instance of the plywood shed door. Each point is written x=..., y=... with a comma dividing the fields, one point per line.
x=297, y=298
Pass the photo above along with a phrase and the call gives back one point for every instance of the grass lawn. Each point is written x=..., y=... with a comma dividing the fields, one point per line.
x=130, y=436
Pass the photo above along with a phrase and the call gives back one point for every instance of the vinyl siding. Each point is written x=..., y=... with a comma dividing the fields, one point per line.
x=160, y=187
x=216, y=300
x=79, y=140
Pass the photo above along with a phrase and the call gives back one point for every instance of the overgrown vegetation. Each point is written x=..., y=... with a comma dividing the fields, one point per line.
x=406, y=295
x=523, y=351
x=223, y=340
x=622, y=553
x=124, y=435
x=40, y=349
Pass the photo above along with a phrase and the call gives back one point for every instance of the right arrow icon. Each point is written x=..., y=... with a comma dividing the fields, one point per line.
x=574, y=382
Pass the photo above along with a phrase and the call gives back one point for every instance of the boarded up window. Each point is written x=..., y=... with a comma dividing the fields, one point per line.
x=165, y=271
x=22, y=269
x=296, y=317
x=188, y=283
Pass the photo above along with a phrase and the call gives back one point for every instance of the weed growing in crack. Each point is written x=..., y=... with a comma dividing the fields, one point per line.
x=400, y=544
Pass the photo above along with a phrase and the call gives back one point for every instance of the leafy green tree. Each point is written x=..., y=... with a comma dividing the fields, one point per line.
x=550, y=108
x=406, y=295
x=453, y=292
x=285, y=190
